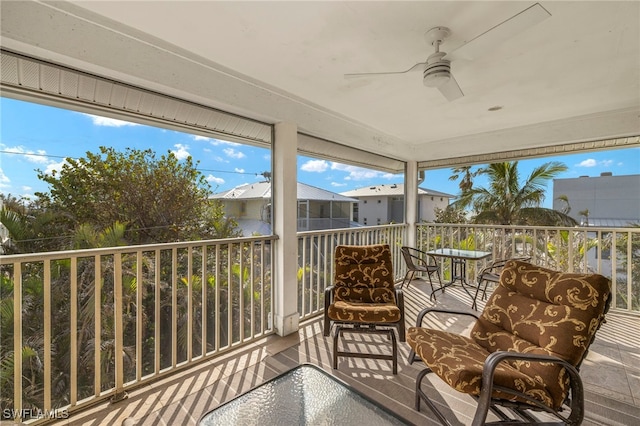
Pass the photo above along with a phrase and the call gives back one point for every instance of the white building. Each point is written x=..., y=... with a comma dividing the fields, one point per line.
x=609, y=200
x=250, y=206
x=382, y=204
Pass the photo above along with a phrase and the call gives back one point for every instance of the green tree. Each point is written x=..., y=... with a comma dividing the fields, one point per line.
x=508, y=201
x=450, y=214
x=158, y=199
x=30, y=227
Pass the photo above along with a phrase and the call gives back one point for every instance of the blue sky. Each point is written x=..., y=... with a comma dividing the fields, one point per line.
x=34, y=136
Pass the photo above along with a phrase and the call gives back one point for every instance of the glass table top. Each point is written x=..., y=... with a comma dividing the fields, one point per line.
x=305, y=395
x=461, y=254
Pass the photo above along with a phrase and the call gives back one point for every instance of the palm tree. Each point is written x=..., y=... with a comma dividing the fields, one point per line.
x=508, y=202
x=466, y=176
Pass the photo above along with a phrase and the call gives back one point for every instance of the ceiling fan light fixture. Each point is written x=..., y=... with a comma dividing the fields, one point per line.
x=436, y=79
x=436, y=74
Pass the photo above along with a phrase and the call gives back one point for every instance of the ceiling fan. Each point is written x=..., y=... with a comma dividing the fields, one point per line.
x=436, y=70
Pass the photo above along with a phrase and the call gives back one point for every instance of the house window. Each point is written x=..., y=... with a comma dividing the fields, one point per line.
x=364, y=221
x=379, y=201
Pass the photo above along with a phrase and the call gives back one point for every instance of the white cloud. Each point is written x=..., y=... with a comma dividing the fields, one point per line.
x=109, y=122
x=4, y=180
x=26, y=188
x=54, y=167
x=216, y=180
x=237, y=170
x=181, y=152
x=356, y=173
x=233, y=153
x=338, y=184
x=315, y=166
x=213, y=141
x=38, y=157
x=590, y=162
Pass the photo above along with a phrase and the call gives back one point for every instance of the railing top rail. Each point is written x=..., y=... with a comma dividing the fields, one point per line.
x=532, y=227
x=31, y=257
x=356, y=229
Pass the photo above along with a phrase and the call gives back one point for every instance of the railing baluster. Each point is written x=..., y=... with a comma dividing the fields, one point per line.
x=174, y=307
x=629, y=306
x=189, y=303
x=241, y=292
x=97, y=325
x=47, y=333
x=251, y=291
x=118, y=329
x=73, y=295
x=229, y=295
x=218, y=313
x=139, y=316
x=204, y=288
x=17, y=335
x=157, y=301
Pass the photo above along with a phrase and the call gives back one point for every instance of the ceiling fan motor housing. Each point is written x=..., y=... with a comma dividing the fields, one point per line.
x=437, y=71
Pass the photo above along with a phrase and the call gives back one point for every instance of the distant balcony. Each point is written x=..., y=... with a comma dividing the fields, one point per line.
x=172, y=309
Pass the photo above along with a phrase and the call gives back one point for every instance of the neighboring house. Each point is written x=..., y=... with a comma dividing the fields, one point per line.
x=381, y=204
x=250, y=206
x=604, y=200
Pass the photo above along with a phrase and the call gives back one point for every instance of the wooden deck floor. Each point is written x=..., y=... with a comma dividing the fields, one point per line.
x=611, y=375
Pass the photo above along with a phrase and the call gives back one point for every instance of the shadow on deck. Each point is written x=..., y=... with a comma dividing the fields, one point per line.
x=611, y=374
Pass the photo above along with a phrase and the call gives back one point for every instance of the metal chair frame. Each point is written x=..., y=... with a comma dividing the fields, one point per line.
x=418, y=261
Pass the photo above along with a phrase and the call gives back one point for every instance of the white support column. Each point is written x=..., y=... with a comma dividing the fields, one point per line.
x=411, y=201
x=285, y=208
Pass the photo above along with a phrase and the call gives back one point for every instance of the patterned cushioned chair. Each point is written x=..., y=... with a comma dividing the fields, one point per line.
x=363, y=299
x=524, y=350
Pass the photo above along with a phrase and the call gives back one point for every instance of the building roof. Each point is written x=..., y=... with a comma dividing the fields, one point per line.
x=392, y=189
x=609, y=222
x=262, y=190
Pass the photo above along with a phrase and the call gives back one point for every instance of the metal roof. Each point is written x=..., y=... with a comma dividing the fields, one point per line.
x=392, y=189
x=261, y=190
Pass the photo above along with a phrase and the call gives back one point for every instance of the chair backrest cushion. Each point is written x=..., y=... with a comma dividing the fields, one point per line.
x=541, y=311
x=537, y=307
x=364, y=274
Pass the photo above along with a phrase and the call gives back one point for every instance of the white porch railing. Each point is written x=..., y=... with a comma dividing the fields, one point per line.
x=315, y=259
x=612, y=252
x=162, y=307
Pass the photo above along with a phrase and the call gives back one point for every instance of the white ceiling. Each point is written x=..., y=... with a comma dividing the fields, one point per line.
x=573, y=77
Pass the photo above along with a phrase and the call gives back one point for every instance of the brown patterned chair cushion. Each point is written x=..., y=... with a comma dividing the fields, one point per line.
x=533, y=310
x=364, y=285
x=364, y=312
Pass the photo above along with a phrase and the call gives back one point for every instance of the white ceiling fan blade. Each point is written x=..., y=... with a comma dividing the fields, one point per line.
x=486, y=42
x=451, y=90
x=417, y=67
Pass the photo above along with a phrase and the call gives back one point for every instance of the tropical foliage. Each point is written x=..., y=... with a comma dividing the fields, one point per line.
x=507, y=200
x=111, y=199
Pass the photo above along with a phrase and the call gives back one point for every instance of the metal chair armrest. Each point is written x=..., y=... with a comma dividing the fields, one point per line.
x=328, y=298
x=400, y=304
x=488, y=372
x=426, y=311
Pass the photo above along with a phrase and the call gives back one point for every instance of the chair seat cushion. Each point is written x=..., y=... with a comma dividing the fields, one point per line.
x=459, y=361
x=364, y=312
